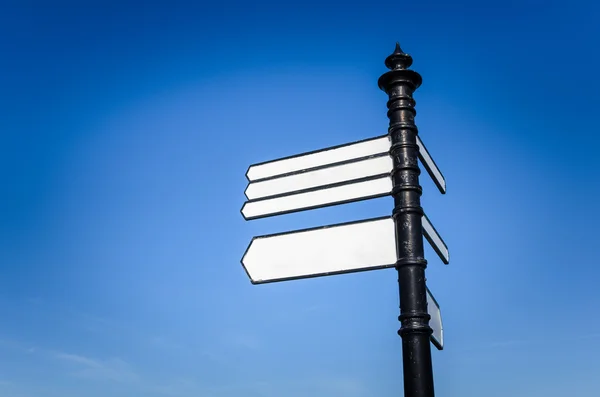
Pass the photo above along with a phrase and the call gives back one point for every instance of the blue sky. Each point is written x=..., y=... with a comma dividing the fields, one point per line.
x=125, y=132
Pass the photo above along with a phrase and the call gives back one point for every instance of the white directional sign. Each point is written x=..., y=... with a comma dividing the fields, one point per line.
x=309, y=199
x=337, y=175
x=319, y=158
x=338, y=154
x=435, y=240
x=320, y=177
x=335, y=249
x=431, y=167
x=437, y=337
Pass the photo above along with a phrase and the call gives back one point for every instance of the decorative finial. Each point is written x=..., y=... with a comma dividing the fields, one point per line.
x=398, y=59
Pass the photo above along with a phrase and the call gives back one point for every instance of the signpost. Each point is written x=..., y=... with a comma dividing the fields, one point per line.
x=375, y=167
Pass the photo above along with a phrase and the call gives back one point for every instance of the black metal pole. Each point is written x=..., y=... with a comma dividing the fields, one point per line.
x=400, y=83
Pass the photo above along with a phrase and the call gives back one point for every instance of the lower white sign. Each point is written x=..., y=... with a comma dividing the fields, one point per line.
x=343, y=248
x=437, y=337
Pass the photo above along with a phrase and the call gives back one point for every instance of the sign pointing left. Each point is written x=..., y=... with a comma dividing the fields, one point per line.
x=334, y=249
x=320, y=177
x=316, y=198
x=319, y=158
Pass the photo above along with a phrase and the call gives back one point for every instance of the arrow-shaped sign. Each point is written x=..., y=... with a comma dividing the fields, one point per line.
x=334, y=249
x=438, y=245
x=435, y=322
x=316, y=198
x=321, y=177
x=340, y=174
x=319, y=158
x=431, y=167
x=340, y=154
x=328, y=250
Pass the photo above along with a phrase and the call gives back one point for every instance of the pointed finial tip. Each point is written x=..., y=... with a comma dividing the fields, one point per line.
x=398, y=59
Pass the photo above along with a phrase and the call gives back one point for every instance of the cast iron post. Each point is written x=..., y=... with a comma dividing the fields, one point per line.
x=400, y=83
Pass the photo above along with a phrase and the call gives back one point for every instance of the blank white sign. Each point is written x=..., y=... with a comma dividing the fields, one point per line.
x=319, y=158
x=336, y=154
x=317, y=198
x=335, y=249
x=435, y=240
x=431, y=167
x=437, y=337
x=320, y=177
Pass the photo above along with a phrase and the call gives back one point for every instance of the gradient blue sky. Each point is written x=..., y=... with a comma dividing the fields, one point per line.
x=125, y=132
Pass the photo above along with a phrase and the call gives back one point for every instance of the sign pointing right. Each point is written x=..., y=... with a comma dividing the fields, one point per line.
x=438, y=245
x=435, y=322
x=431, y=167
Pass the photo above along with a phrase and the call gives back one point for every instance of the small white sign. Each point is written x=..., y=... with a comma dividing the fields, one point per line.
x=339, y=154
x=437, y=337
x=431, y=167
x=350, y=192
x=319, y=158
x=335, y=249
x=438, y=245
x=342, y=248
x=320, y=177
